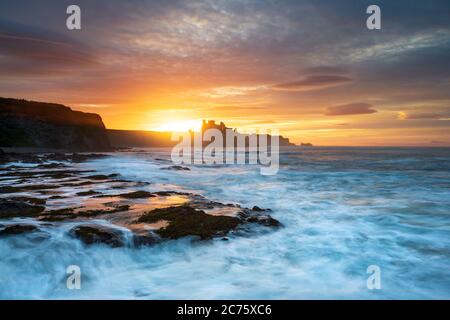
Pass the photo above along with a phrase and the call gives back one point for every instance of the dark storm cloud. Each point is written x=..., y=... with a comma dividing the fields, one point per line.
x=350, y=109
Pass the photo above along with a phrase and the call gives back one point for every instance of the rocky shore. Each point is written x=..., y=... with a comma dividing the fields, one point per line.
x=52, y=189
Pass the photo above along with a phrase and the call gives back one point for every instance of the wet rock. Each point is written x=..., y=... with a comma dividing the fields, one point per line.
x=164, y=193
x=102, y=176
x=74, y=157
x=77, y=157
x=48, y=192
x=119, y=186
x=54, y=174
x=57, y=215
x=51, y=166
x=90, y=234
x=97, y=177
x=93, y=213
x=256, y=208
x=176, y=168
x=262, y=219
x=69, y=213
x=18, y=173
x=31, y=187
x=137, y=184
x=145, y=240
x=13, y=208
x=137, y=195
x=7, y=157
x=88, y=193
x=171, y=193
x=15, y=229
x=78, y=184
x=61, y=175
x=31, y=200
x=187, y=221
x=56, y=197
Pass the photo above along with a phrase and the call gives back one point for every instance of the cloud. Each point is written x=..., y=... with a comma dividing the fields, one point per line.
x=163, y=52
x=235, y=108
x=325, y=70
x=313, y=82
x=222, y=92
x=350, y=109
x=33, y=51
x=423, y=116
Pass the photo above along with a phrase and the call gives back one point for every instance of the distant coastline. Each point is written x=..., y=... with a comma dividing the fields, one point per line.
x=31, y=126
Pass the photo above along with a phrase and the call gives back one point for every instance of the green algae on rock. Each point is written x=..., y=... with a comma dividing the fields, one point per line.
x=186, y=221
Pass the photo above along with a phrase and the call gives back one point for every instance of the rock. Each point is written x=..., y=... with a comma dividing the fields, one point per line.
x=73, y=157
x=51, y=166
x=256, y=208
x=137, y=195
x=32, y=187
x=13, y=208
x=97, y=177
x=187, y=221
x=145, y=240
x=176, y=168
x=164, y=193
x=78, y=184
x=30, y=200
x=69, y=213
x=264, y=220
x=90, y=234
x=93, y=213
x=57, y=215
x=254, y=216
x=87, y=193
x=18, y=157
x=171, y=193
x=56, y=197
x=77, y=158
x=61, y=175
x=17, y=229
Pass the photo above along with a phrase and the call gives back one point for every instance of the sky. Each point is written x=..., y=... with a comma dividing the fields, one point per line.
x=310, y=69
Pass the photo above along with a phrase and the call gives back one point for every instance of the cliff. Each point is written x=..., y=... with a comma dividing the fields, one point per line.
x=50, y=126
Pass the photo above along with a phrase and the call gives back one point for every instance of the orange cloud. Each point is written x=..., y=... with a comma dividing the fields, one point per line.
x=350, y=109
x=423, y=116
x=313, y=83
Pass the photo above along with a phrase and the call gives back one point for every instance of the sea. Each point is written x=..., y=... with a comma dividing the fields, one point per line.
x=345, y=211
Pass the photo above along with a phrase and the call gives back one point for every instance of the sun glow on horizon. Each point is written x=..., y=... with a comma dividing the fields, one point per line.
x=180, y=126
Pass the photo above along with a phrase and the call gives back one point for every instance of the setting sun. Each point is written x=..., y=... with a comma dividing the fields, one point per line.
x=180, y=126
